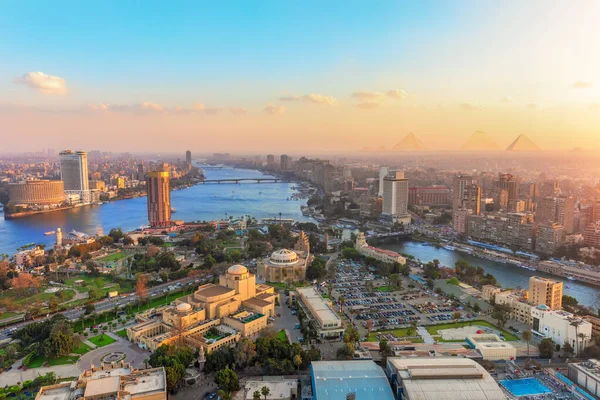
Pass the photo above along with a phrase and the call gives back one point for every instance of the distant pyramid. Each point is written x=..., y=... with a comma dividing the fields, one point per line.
x=577, y=150
x=523, y=143
x=479, y=141
x=409, y=143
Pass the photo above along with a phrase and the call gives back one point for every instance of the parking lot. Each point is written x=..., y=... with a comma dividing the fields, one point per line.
x=370, y=298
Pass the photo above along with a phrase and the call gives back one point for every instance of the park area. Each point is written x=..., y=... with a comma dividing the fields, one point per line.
x=102, y=340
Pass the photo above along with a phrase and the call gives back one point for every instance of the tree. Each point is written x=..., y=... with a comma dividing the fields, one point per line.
x=576, y=323
x=456, y=317
x=140, y=288
x=227, y=380
x=567, y=348
x=265, y=391
x=127, y=241
x=316, y=270
x=501, y=313
x=546, y=348
x=25, y=282
x=476, y=307
x=116, y=234
x=351, y=335
x=527, y=338
x=245, y=353
x=256, y=395
x=384, y=347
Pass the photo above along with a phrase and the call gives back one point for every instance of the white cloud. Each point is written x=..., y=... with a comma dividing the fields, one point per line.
x=397, y=94
x=507, y=99
x=274, y=110
x=583, y=85
x=368, y=95
x=289, y=98
x=368, y=105
x=44, y=83
x=238, y=110
x=320, y=99
x=314, y=98
x=470, y=107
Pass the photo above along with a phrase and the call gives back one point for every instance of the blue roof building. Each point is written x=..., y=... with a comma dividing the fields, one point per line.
x=334, y=380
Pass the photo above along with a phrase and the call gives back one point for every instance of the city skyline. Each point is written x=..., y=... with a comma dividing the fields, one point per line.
x=343, y=78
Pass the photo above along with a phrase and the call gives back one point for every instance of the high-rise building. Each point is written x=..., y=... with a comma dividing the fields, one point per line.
x=36, y=192
x=429, y=196
x=285, y=162
x=459, y=184
x=510, y=183
x=557, y=209
x=508, y=229
x=74, y=174
x=459, y=220
x=159, y=198
x=74, y=170
x=395, y=198
x=188, y=157
x=383, y=172
x=549, y=238
x=545, y=291
x=472, y=198
x=591, y=236
x=270, y=160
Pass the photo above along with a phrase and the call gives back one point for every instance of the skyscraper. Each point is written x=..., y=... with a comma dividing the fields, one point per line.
x=188, y=157
x=159, y=198
x=285, y=162
x=472, y=198
x=510, y=183
x=74, y=174
x=383, y=172
x=270, y=160
x=395, y=198
x=459, y=184
x=545, y=291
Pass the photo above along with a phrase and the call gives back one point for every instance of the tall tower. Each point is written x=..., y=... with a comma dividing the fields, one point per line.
x=159, y=198
x=383, y=172
x=395, y=198
x=59, y=239
x=74, y=170
x=459, y=184
x=188, y=157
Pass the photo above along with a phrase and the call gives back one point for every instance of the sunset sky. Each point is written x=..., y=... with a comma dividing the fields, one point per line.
x=297, y=76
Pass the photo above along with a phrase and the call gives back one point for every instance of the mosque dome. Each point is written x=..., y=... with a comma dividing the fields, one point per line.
x=184, y=307
x=237, y=270
x=284, y=256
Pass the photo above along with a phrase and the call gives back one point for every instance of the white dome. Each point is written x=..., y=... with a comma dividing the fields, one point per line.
x=237, y=270
x=284, y=256
x=184, y=307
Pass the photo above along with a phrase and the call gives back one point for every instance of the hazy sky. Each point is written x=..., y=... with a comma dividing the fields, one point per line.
x=310, y=75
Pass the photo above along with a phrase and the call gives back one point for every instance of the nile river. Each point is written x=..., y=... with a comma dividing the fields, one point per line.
x=508, y=275
x=197, y=203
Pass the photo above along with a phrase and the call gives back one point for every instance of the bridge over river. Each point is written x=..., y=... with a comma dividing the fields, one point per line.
x=246, y=180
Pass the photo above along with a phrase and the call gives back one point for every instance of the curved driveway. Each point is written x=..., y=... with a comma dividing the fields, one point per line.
x=133, y=354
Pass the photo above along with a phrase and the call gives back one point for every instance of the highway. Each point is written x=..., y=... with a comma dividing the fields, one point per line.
x=108, y=304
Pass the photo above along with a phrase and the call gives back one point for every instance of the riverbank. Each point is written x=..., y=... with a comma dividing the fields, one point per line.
x=35, y=212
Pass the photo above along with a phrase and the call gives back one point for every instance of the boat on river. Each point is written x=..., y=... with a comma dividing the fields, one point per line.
x=49, y=233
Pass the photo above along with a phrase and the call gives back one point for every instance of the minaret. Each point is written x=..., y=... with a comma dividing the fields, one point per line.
x=201, y=359
x=59, y=238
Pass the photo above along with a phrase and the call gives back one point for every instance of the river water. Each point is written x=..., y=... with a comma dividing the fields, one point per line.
x=507, y=275
x=197, y=203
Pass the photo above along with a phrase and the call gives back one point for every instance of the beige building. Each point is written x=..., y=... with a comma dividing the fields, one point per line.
x=446, y=378
x=110, y=382
x=386, y=256
x=520, y=309
x=286, y=265
x=211, y=317
x=488, y=292
x=319, y=313
x=280, y=388
x=36, y=192
x=492, y=347
x=545, y=291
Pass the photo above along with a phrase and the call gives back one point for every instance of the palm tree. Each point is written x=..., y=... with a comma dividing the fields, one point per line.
x=342, y=300
x=527, y=337
x=298, y=361
x=256, y=395
x=576, y=324
x=265, y=391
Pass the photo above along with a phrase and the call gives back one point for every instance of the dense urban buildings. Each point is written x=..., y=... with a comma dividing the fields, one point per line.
x=429, y=196
x=159, y=198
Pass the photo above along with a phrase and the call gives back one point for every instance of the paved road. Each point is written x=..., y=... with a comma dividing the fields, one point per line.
x=427, y=338
x=133, y=353
x=18, y=375
x=102, y=305
x=287, y=320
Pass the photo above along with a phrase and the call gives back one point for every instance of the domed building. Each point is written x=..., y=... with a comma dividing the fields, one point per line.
x=211, y=317
x=286, y=265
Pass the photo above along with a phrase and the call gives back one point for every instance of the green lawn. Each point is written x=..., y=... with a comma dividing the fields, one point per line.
x=102, y=340
x=113, y=257
x=82, y=349
x=399, y=333
x=24, y=299
x=122, y=333
x=282, y=336
x=385, y=289
x=39, y=360
x=90, y=280
x=434, y=329
x=8, y=314
x=277, y=284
